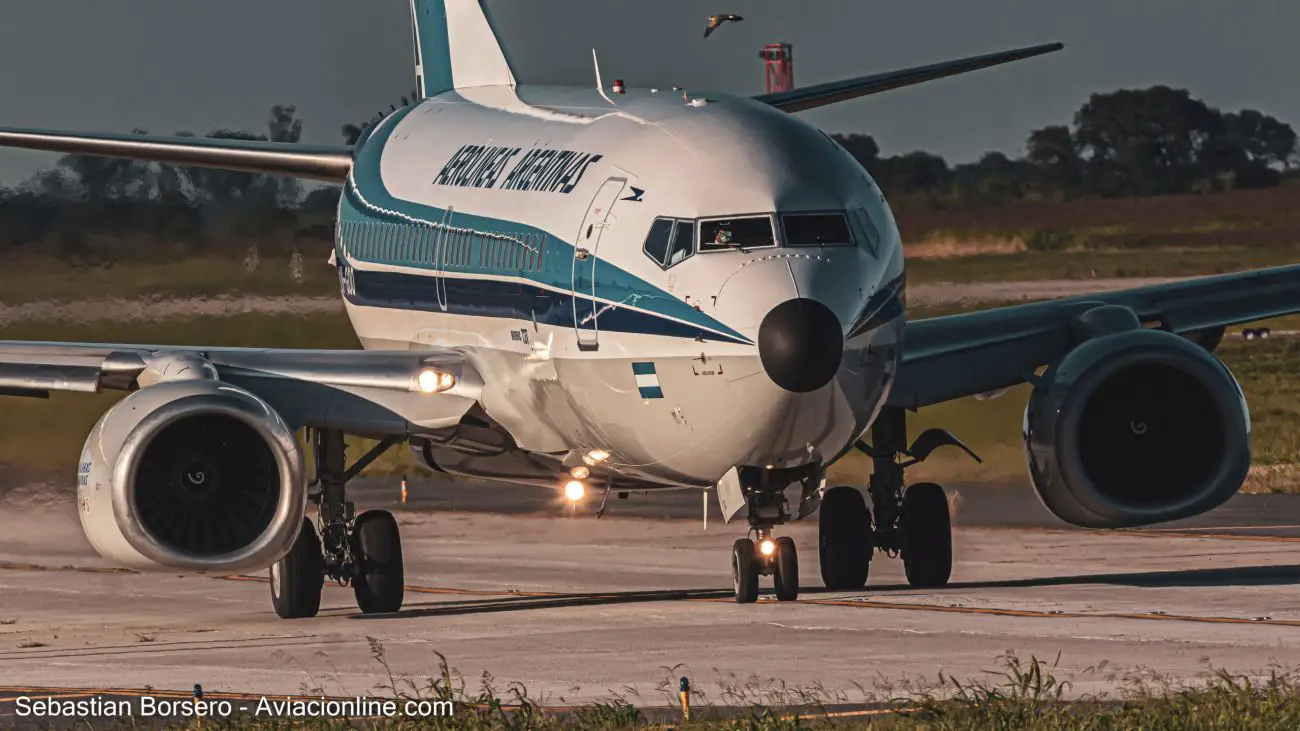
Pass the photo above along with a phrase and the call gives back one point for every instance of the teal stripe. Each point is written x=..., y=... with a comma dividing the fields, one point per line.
x=435, y=47
x=612, y=283
x=643, y=369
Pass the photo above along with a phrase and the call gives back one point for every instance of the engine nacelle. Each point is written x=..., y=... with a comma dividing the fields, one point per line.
x=1135, y=428
x=194, y=475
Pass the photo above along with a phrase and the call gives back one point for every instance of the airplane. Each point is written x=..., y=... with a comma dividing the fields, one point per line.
x=629, y=289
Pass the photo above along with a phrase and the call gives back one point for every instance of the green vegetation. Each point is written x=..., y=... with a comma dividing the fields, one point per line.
x=1131, y=142
x=46, y=436
x=46, y=279
x=1018, y=695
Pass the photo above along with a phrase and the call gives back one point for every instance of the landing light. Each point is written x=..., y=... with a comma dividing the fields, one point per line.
x=767, y=546
x=431, y=381
x=597, y=455
x=574, y=490
x=580, y=472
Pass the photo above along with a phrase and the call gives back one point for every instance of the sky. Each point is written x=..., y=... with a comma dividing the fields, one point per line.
x=170, y=65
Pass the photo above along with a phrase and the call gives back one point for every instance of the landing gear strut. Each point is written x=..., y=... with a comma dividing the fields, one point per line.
x=911, y=522
x=763, y=555
x=364, y=550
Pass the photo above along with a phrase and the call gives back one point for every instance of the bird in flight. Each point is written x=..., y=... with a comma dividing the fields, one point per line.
x=717, y=20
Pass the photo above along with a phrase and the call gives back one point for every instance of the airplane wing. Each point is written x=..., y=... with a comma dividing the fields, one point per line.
x=951, y=357
x=361, y=391
x=277, y=158
x=820, y=95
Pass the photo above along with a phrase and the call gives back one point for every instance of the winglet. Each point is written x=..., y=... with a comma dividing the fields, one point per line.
x=837, y=91
x=456, y=47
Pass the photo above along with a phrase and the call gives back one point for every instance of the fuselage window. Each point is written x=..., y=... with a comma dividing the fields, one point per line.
x=683, y=246
x=720, y=234
x=870, y=234
x=816, y=229
x=657, y=241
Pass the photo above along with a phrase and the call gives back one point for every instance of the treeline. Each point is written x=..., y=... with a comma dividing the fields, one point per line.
x=94, y=209
x=1131, y=142
x=1124, y=143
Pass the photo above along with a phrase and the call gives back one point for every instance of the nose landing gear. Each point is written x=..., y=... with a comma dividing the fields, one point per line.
x=768, y=557
x=761, y=554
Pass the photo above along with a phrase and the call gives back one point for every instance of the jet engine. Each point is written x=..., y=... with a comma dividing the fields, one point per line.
x=193, y=475
x=1136, y=427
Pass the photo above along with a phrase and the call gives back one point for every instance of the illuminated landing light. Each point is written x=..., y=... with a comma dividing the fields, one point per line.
x=580, y=472
x=597, y=456
x=767, y=546
x=574, y=490
x=431, y=381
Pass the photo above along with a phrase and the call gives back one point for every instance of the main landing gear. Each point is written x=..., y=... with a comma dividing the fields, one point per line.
x=912, y=522
x=362, y=550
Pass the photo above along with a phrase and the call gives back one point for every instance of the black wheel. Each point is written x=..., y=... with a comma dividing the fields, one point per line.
x=927, y=535
x=844, y=543
x=744, y=571
x=378, y=583
x=786, y=578
x=297, y=579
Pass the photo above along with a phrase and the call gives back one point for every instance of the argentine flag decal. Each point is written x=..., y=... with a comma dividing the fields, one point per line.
x=647, y=381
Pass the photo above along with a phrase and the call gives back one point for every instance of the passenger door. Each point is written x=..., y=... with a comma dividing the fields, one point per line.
x=586, y=309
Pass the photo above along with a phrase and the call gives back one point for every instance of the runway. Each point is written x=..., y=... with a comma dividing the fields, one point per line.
x=576, y=608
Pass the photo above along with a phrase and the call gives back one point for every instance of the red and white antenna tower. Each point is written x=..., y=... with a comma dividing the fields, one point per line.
x=778, y=58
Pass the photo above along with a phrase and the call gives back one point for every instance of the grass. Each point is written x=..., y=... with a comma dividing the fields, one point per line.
x=1016, y=694
x=45, y=437
x=50, y=279
x=1149, y=237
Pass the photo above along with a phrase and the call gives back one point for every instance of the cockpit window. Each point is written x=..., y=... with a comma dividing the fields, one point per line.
x=871, y=234
x=671, y=241
x=752, y=232
x=656, y=244
x=683, y=243
x=816, y=229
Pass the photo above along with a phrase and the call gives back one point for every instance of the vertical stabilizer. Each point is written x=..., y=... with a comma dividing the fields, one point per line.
x=456, y=47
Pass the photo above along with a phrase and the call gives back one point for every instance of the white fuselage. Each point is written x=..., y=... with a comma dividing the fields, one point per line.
x=515, y=221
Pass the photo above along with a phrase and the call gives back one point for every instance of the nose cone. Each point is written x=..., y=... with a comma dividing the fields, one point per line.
x=800, y=344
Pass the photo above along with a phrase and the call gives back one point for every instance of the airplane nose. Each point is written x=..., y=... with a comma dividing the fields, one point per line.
x=800, y=345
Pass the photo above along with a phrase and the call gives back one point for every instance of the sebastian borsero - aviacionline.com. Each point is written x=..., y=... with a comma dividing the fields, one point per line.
x=266, y=706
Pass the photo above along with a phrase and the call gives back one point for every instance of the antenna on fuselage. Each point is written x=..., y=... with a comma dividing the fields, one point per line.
x=600, y=87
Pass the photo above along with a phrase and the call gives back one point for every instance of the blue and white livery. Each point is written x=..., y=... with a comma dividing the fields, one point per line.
x=628, y=289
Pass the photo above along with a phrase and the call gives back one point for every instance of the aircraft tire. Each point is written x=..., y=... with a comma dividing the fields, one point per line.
x=786, y=578
x=844, y=542
x=744, y=571
x=297, y=579
x=379, y=580
x=927, y=535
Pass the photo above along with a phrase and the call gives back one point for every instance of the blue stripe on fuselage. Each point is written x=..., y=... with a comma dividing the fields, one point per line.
x=517, y=299
x=367, y=200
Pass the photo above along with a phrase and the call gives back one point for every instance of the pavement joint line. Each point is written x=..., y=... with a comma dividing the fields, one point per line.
x=862, y=604
x=1030, y=613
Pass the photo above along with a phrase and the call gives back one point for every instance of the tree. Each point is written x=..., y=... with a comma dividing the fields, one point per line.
x=1055, y=154
x=1263, y=138
x=1144, y=142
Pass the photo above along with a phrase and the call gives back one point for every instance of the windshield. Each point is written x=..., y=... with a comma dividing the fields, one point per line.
x=754, y=232
x=816, y=229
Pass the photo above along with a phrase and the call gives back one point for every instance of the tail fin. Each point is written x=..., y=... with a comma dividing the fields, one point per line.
x=456, y=47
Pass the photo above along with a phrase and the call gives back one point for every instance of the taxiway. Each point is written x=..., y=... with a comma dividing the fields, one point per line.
x=513, y=584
